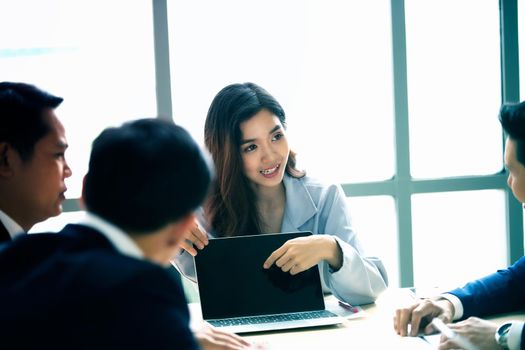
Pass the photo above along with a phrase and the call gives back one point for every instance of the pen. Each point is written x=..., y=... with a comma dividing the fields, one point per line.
x=450, y=334
x=347, y=306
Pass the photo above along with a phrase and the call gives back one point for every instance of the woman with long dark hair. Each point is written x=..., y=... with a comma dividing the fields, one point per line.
x=258, y=190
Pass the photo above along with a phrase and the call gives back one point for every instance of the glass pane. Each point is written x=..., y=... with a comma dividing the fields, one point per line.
x=97, y=54
x=521, y=45
x=453, y=87
x=458, y=236
x=329, y=63
x=379, y=237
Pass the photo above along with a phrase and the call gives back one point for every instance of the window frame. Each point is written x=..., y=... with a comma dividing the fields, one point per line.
x=401, y=186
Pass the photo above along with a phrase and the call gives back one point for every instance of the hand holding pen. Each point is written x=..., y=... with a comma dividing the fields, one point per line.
x=435, y=314
x=469, y=334
x=451, y=339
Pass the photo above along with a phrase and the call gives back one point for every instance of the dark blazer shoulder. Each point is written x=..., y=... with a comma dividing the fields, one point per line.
x=138, y=298
x=92, y=295
x=103, y=266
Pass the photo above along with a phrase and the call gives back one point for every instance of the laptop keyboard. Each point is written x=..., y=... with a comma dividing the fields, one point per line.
x=271, y=318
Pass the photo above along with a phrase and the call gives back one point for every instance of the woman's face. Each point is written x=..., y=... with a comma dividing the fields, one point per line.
x=264, y=149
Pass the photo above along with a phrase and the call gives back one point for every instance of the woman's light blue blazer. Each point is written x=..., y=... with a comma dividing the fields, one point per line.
x=322, y=209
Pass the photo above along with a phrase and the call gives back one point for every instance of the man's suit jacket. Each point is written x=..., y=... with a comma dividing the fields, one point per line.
x=75, y=290
x=4, y=235
x=501, y=292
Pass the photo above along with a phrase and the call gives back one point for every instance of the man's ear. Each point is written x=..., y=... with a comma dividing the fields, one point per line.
x=6, y=154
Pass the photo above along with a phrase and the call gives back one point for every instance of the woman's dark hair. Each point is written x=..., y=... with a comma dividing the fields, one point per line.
x=512, y=118
x=231, y=207
x=145, y=174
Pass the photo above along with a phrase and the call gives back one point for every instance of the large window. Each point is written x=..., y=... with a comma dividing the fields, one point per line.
x=521, y=37
x=330, y=66
x=98, y=55
x=343, y=70
x=454, y=95
x=375, y=222
x=453, y=244
x=329, y=63
x=521, y=45
x=453, y=87
x=396, y=100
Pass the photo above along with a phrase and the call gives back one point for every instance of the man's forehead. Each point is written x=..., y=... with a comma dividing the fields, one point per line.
x=54, y=139
x=56, y=129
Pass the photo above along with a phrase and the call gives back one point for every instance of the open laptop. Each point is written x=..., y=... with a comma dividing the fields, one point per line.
x=238, y=295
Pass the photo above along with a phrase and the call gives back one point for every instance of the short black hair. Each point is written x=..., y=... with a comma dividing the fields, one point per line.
x=145, y=174
x=22, y=122
x=512, y=118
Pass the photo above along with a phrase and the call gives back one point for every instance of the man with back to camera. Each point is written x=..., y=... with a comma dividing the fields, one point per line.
x=32, y=161
x=501, y=292
x=99, y=283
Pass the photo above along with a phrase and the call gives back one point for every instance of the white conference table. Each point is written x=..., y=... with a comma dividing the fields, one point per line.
x=373, y=330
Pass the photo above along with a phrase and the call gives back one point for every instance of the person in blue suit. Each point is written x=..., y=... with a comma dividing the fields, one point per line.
x=501, y=292
x=260, y=190
x=33, y=166
x=103, y=283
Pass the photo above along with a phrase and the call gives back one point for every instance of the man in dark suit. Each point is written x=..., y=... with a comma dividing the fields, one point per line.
x=103, y=283
x=32, y=173
x=501, y=292
x=32, y=163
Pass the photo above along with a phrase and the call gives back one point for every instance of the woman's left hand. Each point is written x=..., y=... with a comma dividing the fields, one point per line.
x=299, y=254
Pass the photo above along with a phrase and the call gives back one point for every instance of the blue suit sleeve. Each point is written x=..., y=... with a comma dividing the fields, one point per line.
x=500, y=292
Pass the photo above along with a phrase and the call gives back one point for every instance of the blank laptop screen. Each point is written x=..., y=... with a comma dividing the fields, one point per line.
x=233, y=283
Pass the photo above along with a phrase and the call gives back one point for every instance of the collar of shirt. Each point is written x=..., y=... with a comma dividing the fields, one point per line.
x=11, y=225
x=299, y=204
x=120, y=240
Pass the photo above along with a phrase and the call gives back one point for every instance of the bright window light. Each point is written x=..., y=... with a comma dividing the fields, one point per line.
x=453, y=245
x=453, y=59
x=97, y=54
x=329, y=63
